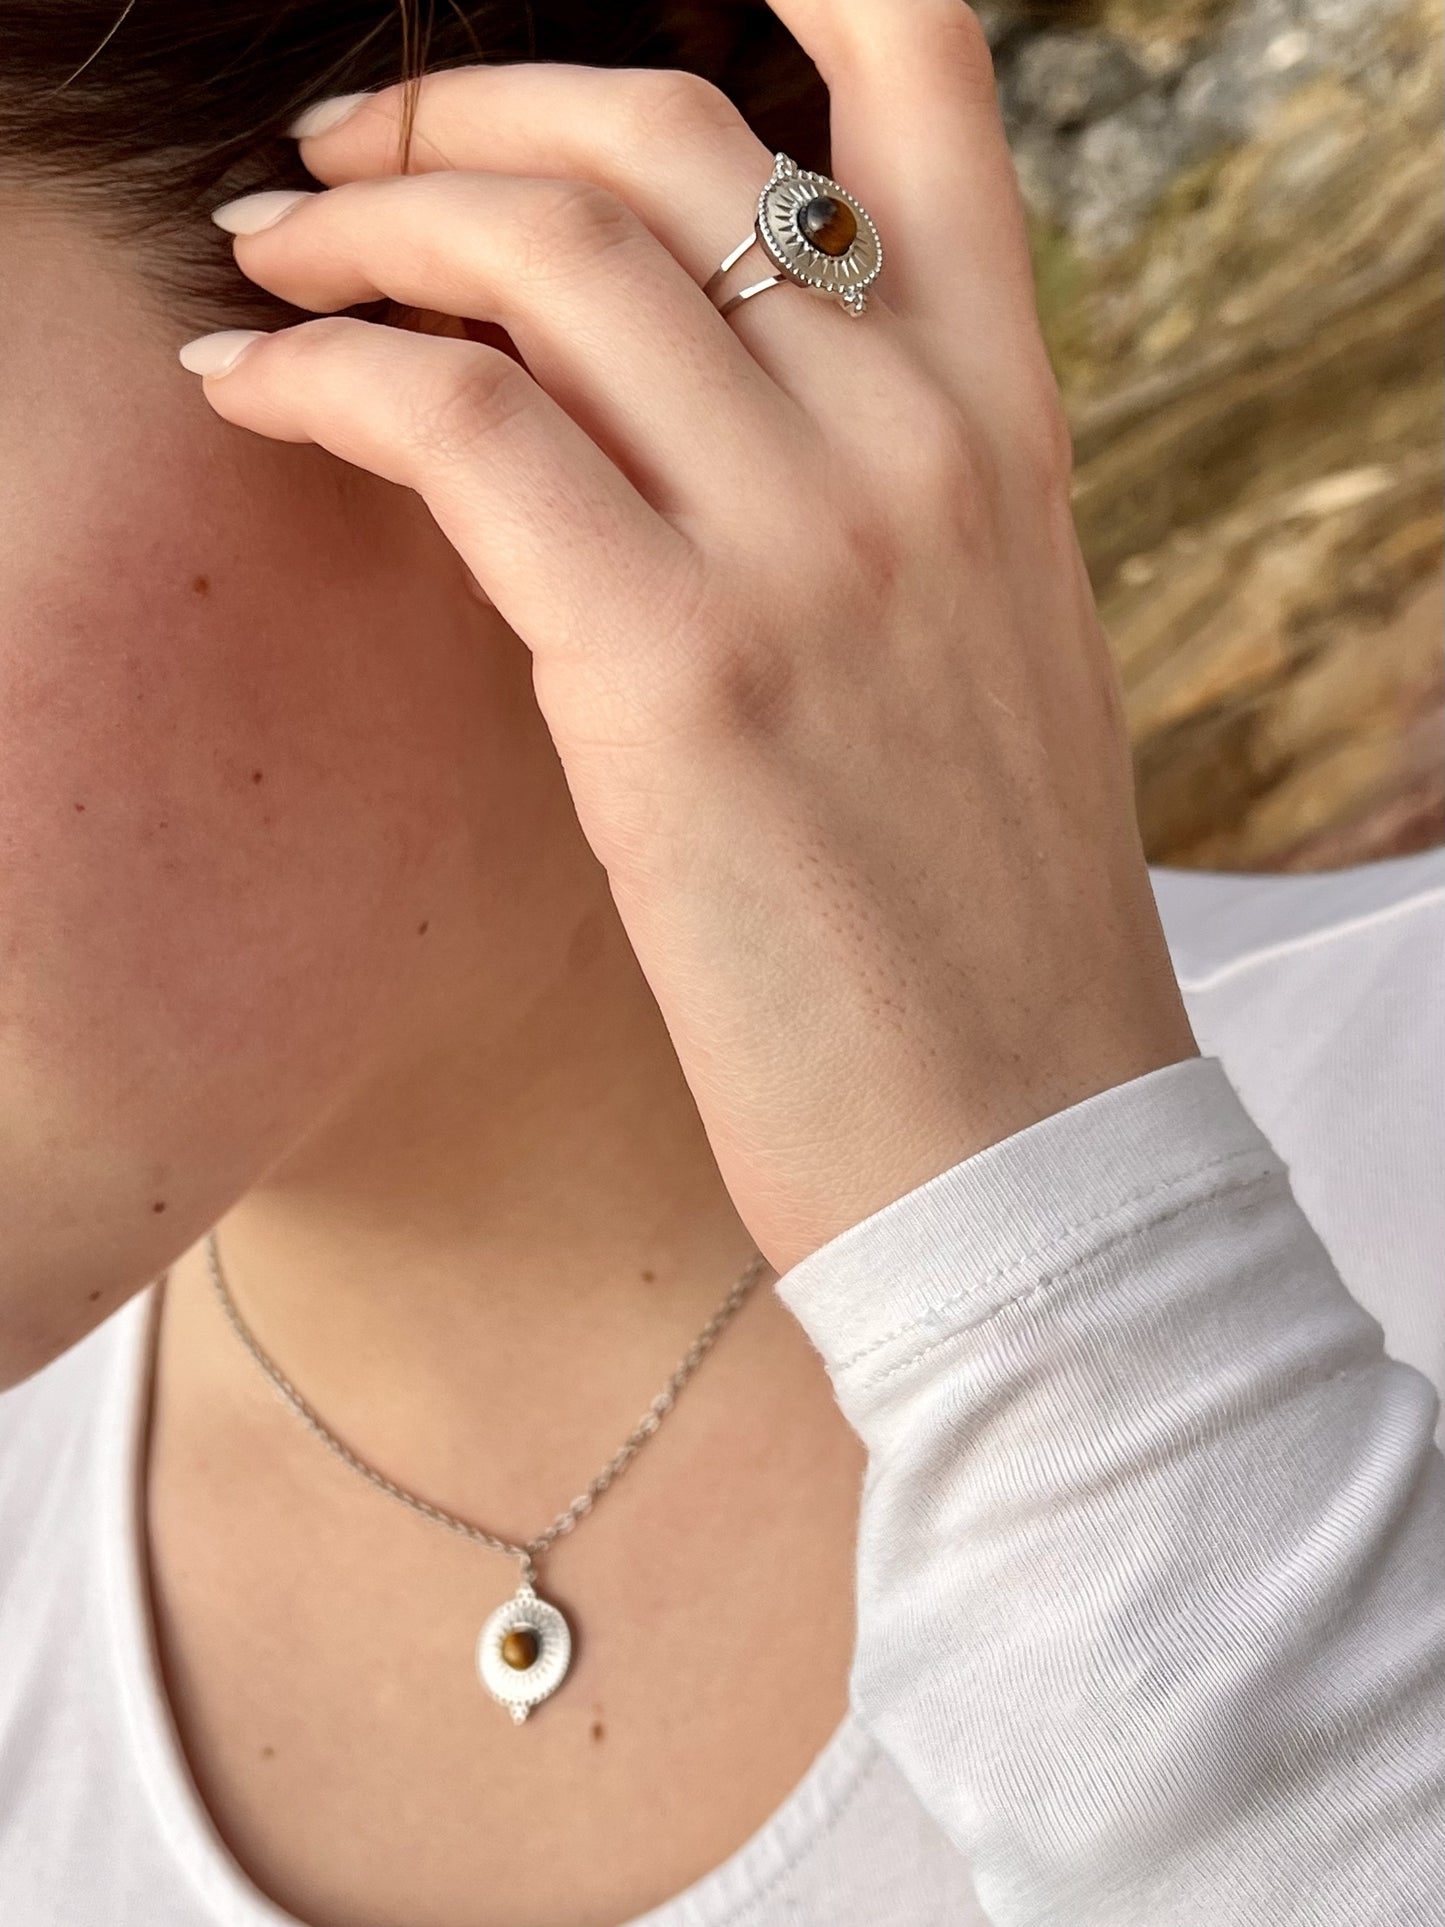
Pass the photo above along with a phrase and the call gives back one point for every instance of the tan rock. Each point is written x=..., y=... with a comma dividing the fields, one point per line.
x=1255, y=386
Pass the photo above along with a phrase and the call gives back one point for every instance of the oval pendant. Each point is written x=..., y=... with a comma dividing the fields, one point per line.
x=523, y=1651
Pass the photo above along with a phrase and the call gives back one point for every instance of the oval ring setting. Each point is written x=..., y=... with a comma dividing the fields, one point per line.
x=815, y=233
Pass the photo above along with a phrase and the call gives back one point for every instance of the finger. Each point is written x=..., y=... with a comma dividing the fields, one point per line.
x=562, y=543
x=916, y=128
x=669, y=144
x=918, y=136
x=606, y=319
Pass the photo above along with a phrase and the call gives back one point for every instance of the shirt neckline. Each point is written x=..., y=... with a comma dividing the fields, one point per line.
x=232, y=1897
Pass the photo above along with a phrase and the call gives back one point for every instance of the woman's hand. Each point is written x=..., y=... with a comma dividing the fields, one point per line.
x=809, y=622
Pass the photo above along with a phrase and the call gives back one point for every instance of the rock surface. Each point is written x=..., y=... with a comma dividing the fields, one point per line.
x=1237, y=215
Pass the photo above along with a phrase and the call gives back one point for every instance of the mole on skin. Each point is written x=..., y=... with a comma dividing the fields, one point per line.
x=597, y=1729
x=201, y=584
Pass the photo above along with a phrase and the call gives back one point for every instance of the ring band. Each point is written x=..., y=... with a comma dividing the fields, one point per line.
x=814, y=233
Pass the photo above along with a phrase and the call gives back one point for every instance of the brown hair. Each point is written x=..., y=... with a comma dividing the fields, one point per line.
x=145, y=114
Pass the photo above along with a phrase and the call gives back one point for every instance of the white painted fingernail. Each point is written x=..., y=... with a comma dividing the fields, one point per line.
x=218, y=354
x=325, y=115
x=253, y=212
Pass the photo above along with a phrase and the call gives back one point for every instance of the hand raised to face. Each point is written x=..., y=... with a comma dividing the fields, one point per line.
x=809, y=624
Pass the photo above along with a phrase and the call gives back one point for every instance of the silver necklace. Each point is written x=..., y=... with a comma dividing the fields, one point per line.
x=525, y=1647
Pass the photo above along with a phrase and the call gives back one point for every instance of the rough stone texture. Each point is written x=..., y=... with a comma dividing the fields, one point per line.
x=1237, y=216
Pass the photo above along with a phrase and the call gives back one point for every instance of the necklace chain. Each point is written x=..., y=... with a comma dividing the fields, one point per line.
x=529, y=1550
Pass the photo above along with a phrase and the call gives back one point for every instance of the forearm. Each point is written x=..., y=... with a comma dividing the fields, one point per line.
x=1152, y=1556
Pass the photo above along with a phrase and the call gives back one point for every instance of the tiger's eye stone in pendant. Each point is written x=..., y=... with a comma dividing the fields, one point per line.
x=830, y=224
x=523, y=1651
x=520, y=1648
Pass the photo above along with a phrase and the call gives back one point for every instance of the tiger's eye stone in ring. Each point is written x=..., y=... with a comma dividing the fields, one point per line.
x=520, y=1648
x=830, y=224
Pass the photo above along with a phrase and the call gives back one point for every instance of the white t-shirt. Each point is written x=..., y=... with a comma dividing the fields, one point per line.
x=1151, y=1563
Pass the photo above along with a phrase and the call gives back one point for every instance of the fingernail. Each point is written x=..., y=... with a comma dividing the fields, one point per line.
x=325, y=115
x=253, y=212
x=217, y=354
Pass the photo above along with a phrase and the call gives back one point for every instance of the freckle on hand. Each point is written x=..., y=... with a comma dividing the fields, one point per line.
x=201, y=584
x=255, y=776
x=80, y=807
x=422, y=929
x=159, y=1205
x=597, y=1729
x=92, y=1295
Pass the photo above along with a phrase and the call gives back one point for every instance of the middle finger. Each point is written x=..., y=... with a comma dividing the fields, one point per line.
x=605, y=319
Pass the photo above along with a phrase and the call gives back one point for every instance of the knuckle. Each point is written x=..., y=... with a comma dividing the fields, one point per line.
x=874, y=552
x=947, y=479
x=454, y=415
x=1044, y=447
x=673, y=101
x=963, y=45
x=414, y=221
x=737, y=676
x=943, y=448
x=570, y=226
x=750, y=687
x=320, y=338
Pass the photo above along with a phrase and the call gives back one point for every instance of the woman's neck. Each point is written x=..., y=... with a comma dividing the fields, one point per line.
x=521, y=1221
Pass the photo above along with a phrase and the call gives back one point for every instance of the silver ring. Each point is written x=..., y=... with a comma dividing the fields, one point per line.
x=815, y=233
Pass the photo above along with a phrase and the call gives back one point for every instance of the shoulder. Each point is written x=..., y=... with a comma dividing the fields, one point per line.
x=1317, y=984
x=1217, y=923
x=52, y=1434
x=1323, y=997
x=67, y=1783
x=64, y=1448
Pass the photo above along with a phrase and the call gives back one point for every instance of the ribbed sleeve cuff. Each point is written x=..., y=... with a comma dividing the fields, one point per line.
x=958, y=1247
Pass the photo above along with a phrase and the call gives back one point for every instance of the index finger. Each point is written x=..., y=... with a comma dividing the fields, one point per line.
x=563, y=544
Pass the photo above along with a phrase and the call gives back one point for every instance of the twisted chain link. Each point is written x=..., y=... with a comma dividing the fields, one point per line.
x=529, y=1550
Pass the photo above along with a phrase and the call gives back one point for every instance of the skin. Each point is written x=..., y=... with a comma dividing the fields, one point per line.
x=761, y=848
x=292, y=887
x=800, y=587
x=377, y=1015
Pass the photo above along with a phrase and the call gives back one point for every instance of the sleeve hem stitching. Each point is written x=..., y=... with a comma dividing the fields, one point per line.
x=1243, y=1181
